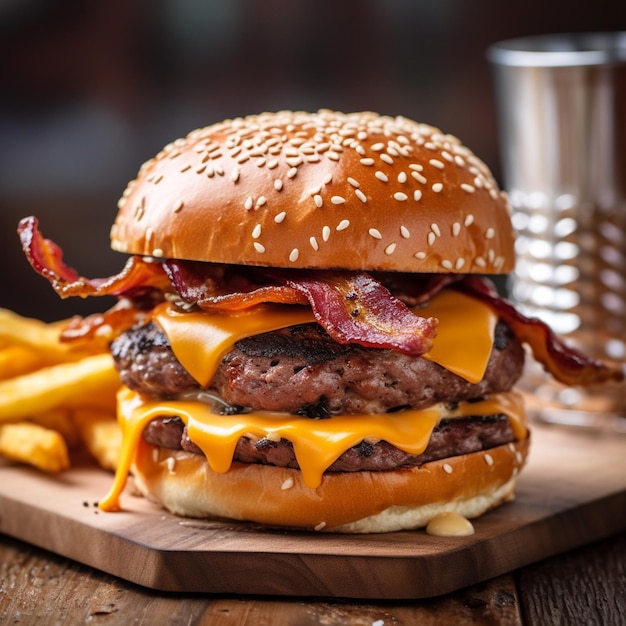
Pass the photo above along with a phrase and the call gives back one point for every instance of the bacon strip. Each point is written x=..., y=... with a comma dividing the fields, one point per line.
x=351, y=307
x=46, y=259
x=215, y=288
x=564, y=362
x=356, y=308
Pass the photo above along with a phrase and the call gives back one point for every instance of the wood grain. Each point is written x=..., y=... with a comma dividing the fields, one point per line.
x=572, y=493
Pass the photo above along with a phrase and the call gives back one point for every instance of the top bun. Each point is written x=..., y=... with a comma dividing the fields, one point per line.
x=322, y=190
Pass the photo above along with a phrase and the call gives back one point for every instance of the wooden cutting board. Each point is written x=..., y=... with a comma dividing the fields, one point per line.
x=572, y=492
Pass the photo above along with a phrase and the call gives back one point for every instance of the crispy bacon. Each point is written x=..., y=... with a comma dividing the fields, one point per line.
x=564, y=362
x=215, y=287
x=353, y=307
x=46, y=259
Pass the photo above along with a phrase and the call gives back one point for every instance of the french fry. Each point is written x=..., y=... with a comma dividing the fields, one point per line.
x=16, y=360
x=66, y=384
x=101, y=435
x=33, y=444
x=16, y=329
x=60, y=420
x=54, y=396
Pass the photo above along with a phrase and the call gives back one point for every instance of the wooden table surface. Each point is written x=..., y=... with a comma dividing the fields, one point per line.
x=584, y=587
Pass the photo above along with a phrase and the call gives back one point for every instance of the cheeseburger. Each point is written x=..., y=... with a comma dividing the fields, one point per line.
x=305, y=332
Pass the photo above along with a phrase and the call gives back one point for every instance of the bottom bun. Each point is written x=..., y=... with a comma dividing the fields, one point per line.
x=350, y=502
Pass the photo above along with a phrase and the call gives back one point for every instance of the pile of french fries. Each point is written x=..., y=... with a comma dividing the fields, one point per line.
x=54, y=396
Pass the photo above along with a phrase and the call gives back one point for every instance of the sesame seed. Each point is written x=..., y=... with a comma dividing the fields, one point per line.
x=390, y=249
x=353, y=182
x=377, y=147
x=287, y=484
x=259, y=247
x=446, y=264
x=261, y=200
x=437, y=163
x=447, y=156
x=367, y=161
x=171, y=464
x=314, y=243
x=179, y=206
x=431, y=238
x=381, y=176
x=320, y=526
x=400, y=197
x=435, y=228
x=235, y=175
x=460, y=262
x=326, y=233
x=456, y=229
x=480, y=261
x=319, y=201
x=469, y=220
x=386, y=158
x=488, y=459
x=447, y=468
x=360, y=195
x=374, y=232
x=184, y=168
x=292, y=172
x=278, y=184
x=294, y=254
x=467, y=188
x=337, y=200
x=157, y=252
x=490, y=233
x=420, y=255
x=272, y=163
x=280, y=217
x=459, y=160
x=249, y=203
x=332, y=155
x=343, y=225
x=402, y=177
x=416, y=167
x=405, y=232
x=437, y=187
x=256, y=231
x=417, y=195
x=419, y=178
x=327, y=179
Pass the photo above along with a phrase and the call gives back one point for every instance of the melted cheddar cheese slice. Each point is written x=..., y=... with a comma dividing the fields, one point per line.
x=200, y=340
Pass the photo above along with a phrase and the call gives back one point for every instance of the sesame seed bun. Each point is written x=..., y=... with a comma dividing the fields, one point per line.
x=350, y=502
x=319, y=190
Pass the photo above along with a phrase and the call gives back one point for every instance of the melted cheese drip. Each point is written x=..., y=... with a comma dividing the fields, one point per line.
x=200, y=340
x=317, y=443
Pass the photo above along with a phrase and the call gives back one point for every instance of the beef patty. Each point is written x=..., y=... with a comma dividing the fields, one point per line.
x=301, y=370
